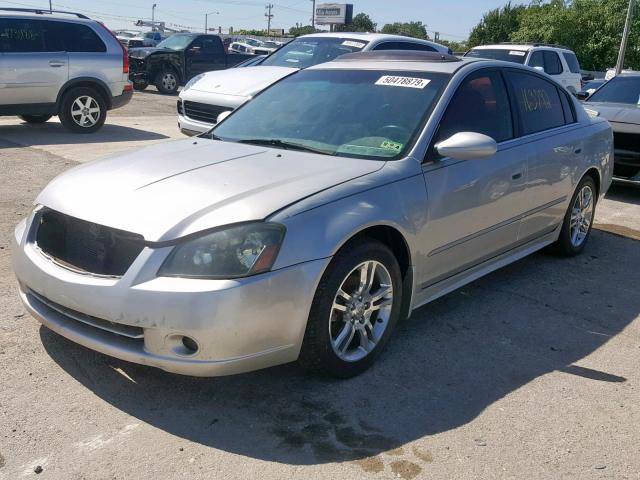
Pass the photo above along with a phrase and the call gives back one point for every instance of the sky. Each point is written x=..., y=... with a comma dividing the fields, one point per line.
x=453, y=19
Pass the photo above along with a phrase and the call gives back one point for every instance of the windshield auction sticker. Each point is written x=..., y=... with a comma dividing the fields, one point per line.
x=518, y=53
x=351, y=43
x=409, y=82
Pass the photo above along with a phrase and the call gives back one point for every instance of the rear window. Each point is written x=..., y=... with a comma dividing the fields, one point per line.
x=20, y=35
x=405, y=46
x=71, y=37
x=515, y=56
x=572, y=62
x=538, y=102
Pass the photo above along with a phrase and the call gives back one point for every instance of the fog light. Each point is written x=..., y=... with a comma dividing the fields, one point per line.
x=190, y=344
x=182, y=345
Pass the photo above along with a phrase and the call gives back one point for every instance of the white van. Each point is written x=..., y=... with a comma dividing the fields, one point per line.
x=555, y=60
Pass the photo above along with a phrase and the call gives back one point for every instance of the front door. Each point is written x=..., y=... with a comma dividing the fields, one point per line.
x=474, y=206
x=205, y=54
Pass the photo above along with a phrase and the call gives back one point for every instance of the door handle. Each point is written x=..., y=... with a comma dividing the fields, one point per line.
x=516, y=176
x=577, y=151
x=57, y=63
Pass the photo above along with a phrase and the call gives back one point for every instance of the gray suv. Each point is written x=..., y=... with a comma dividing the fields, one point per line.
x=60, y=63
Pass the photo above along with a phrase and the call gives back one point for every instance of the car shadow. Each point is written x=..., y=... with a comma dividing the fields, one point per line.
x=445, y=365
x=622, y=193
x=53, y=133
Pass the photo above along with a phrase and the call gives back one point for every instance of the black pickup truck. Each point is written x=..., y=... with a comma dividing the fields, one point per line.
x=177, y=59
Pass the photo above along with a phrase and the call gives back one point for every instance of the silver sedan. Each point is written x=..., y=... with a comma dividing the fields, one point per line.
x=315, y=217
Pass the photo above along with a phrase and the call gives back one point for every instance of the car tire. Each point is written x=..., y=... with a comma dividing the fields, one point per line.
x=83, y=110
x=167, y=82
x=578, y=220
x=35, y=118
x=140, y=86
x=346, y=333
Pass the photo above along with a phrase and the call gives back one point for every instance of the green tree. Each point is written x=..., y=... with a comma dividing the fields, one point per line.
x=302, y=30
x=408, y=29
x=361, y=23
x=458, y=47
x=496, y=25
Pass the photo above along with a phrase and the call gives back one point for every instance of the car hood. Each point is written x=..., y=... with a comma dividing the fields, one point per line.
x=144, y=52
x=616, y=112
x=244, y=82
x=170, y=190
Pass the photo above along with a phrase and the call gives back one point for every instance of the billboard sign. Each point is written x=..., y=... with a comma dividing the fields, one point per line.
x=334, y=13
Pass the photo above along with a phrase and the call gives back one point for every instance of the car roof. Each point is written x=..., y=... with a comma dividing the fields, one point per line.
x=520, y=46
x=44, y=14
x=404, y=60
x=369, y=37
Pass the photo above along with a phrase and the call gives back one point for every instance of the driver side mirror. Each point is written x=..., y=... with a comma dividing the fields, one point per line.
x=540, y=69
x=222, y=116
x=582, y=95
x=467, y=146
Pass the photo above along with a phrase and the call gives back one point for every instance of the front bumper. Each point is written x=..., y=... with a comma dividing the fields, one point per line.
x=192, y=127
x=238, y=325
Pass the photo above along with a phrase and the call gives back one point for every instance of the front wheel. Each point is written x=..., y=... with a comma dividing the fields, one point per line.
x=35, y=118
x=578, y=220
x=355, y=309
x=167, y=82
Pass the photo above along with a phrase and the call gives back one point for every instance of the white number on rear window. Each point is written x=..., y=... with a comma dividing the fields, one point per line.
x=410, y=82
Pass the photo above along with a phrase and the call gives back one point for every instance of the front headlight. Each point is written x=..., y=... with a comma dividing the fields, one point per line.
x=191, y=82
x=234, y=252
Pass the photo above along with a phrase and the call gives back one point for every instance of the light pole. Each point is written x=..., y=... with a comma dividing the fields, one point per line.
x=625, y=38
x=153, y=17
x=269, y=17
x=313, y=14
x=206, y=17
x=50, y=6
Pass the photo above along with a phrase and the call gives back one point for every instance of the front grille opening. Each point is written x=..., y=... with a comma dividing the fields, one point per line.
x=86, y=246
x=625, y=171
x=626, y=141
x=203, y=112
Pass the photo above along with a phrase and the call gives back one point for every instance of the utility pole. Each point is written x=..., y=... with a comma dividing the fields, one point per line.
x=625, y=39
x=50, y=7
x=269, y=16
x=153, y=17
x=313, y=14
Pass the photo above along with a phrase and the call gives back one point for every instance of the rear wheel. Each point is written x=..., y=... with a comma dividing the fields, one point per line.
x=578, y=220
x=35, y=118
x=354, y=311
x=140, y=86
x=167, y=82
x=83, y=110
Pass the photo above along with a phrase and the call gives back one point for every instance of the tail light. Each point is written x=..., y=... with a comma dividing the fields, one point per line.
x=125, y=55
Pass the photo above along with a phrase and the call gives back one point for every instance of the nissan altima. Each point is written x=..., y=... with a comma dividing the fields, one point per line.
x=307, y=223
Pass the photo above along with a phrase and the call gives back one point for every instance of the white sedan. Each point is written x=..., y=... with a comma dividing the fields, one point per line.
x=208, y=95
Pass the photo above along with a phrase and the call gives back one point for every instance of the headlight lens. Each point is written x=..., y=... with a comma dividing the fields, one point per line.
x=234, y=252
x=191, y=82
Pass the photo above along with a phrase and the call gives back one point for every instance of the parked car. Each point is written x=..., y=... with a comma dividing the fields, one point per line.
x=555, y=60
x=130, y=38
x=64, y=64
x=618, y=101
x=252, y=46
x=312, y=219
x=177, y=59
x=589, y=88
x=209, y=95
x=152, y=39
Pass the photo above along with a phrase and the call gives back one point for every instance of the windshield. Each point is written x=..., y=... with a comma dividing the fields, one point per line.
x=270, y=44
x=350, y=113
x=619, y=90
x=252, y=42
x=516, y=56
x=176, y=42
x=305, y=52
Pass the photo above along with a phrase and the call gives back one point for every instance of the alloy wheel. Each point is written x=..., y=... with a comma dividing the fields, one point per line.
x=361, y=310
x=85, y=111
x=581, y=215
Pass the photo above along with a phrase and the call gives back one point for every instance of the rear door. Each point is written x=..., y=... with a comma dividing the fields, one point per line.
x=29, y=74
x=547, y=126
x=205, y=54
x=475, y=206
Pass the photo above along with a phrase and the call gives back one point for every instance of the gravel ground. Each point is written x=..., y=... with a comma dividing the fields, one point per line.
x=531, y=372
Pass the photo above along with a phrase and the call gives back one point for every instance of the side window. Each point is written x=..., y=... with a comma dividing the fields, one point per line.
x=538, y=102
x=481, y=105
x=71, y=37
x=552, y=64
x=20, y=36
x=419, y=46
x=388, y=46
x=536, y=60
x=569, y=112
x=209, y=45
x=572, y=62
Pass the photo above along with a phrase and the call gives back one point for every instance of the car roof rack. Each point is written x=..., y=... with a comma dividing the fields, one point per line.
x=536, y=44
x=40, y=11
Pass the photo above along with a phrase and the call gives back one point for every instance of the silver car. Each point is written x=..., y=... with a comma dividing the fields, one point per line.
x=312, y=219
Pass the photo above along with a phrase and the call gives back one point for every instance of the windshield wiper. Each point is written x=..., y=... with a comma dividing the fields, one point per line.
x=272, y=142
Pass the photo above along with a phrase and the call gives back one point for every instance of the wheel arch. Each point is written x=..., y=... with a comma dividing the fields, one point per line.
x=594, y=173
x=89, y=82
